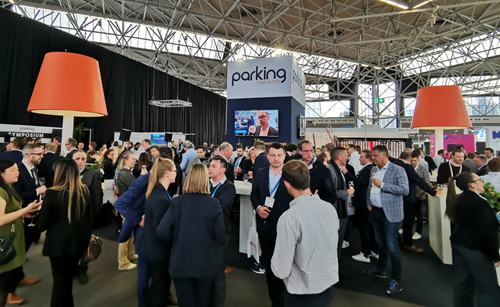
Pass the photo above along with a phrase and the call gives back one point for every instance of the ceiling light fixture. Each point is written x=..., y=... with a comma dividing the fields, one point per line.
x=377, y=68
x=422, y=4
x=397, y=4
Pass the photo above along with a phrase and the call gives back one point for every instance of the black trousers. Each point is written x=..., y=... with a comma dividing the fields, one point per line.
x=418, y=214
x=8, y=283
x=159, y=286
x=322, y=299
x=366, y=232
x=63, y=271
x=409, y=219
x=475, y=278
x=193, y=291
x=275, y=285
x=218, y=291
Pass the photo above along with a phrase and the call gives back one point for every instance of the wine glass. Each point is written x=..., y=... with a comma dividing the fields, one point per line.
x=245, y=177
x=351, y=186
x=41, y=182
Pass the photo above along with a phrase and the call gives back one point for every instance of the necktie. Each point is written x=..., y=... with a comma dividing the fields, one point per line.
x=34, y=176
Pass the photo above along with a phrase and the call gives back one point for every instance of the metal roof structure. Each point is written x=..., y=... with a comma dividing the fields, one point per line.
x=352, y=51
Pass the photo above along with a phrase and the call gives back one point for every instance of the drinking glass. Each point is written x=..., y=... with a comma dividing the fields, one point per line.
x=245, y=177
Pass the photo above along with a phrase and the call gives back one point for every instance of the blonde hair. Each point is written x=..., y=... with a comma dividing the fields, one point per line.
x=51, y=147
x=160, y=166
x=118, y=151
x=67, y=178
x=249, y=153
x=125, y=155
x=197, y=180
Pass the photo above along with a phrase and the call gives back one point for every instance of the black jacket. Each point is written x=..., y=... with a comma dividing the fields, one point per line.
x=177, y=185
x=46, y=168
x=70, y=154
x=15, y=155
x=296, y=156
x=65, y=238
x=239, y=176
x=261, y=161
x=195, y=223
x=476, y=225
x=109, y=170
x=260, y=190
x=321, y=180
x=225, y=194
x=92, y=180
x=361, y=187
x=431, y=163
x=25, y=185
x=246, y=166
x=155, y=207
x=414, y=181
x=483, y=171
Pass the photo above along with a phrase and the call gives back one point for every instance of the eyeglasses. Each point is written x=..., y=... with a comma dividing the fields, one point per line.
x=480, y=179
x=67, y=144
x=37, y=154
x=262, y=116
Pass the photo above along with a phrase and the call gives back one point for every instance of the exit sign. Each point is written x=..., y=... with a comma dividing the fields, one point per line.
x=378, y=100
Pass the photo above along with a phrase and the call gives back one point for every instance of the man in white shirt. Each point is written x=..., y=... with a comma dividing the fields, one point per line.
x=493, y=176
x=354, y=158
x=307, y=236
x=489, y=154
x=440, y=157
x=264, y=129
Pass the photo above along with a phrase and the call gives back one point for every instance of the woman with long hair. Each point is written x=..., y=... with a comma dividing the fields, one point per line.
x=143, y=160
x=474, y=242
x=156, y=251
x=109, y=172
x=66, y=216
x=124, y=179
x=194, y=222
x=11, y=213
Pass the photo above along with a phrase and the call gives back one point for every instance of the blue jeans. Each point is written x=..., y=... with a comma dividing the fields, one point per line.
x=386, y=234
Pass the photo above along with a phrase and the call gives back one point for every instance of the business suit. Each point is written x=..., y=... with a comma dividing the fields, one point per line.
x=266, y=228
x=272, y=131
x=225, y=193
x=470, y=164
x=238, y=163
x=424, y=173
x=431, y=163
x=131, y=206
x=70, y=154
x=65, y=242
x=414, y=181
x=26, y=188
x=156, y=251
x=362, y=216
x=483, y=170
x=261, y=161
x=46, y=168
x=386, y=219
x=195, y=224
x=14, y=154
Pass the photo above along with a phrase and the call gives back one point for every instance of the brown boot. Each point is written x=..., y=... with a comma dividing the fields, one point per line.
x=28, y=281
x=13, y=299
x=414, y=249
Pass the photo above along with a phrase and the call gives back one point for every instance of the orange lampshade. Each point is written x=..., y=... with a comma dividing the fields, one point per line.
x=440, y=107
x=68, y=84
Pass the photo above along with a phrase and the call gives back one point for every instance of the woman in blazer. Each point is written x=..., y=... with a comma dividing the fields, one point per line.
x=157, y=251
x=67, y=218
x=11, y=273
x=194, y=222
x=124, y=179
x=474, y=242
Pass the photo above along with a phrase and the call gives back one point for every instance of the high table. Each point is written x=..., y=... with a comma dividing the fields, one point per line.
x=439, y=227
x=246, y=215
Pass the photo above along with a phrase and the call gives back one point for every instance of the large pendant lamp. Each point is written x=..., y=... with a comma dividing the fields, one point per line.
x=439, y=108
x=68, y=85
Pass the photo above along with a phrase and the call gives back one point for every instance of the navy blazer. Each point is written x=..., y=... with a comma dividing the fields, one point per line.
x=131, y=206
x=361, y=186
x=14, y=154
x=414, y=181
x=260, y=162
x=46, y=168
x=155, y=207
x=225, y=194
x=260, y=190
x=25, y=185
x=195, y=223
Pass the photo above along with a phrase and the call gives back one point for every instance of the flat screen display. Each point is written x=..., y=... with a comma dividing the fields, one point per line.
x=256, y=123
x=158, y=139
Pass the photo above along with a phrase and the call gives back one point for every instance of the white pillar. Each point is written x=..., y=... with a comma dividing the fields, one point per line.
x=67, y=131
x=438, y=132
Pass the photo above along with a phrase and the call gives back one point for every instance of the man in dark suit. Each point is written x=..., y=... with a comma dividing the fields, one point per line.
x=225, y=192
x=70, y=148
x=225, y=151
x=264, y=129
x=369, y=246
x=261, y=159
x=238, y=175
x=28, y=188
x=93, y=181
x=45, y=168
x=297, y=155
x=409, y=200
x=480, y=163
x=270, y=199
x=15, y=153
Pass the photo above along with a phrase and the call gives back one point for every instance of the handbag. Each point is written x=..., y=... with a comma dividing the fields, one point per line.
x=94, y=249
x=7, y=249
x=253, y=246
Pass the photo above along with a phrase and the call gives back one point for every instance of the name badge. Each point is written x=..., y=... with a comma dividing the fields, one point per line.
x=375, y=189
x=269, y=202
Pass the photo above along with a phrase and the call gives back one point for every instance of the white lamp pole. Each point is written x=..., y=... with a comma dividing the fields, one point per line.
x=67, y=130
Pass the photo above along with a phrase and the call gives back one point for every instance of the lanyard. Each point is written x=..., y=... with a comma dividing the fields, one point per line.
x=215, y=188
x=169, y=195
x=451, y=169
x=238, y=162
x=275, y=187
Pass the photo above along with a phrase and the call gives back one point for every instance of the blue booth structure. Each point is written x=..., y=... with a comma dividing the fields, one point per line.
x=264, y=85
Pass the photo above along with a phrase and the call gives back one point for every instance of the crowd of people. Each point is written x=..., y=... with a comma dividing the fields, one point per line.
x=173, y=206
